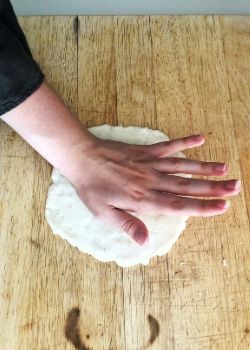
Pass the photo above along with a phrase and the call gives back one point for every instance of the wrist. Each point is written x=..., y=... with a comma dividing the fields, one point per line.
x=76, y=163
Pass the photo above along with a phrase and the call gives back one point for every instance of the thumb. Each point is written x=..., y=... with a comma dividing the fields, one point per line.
x=133, y=226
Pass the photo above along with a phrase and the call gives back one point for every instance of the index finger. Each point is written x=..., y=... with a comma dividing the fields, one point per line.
x=167, y=148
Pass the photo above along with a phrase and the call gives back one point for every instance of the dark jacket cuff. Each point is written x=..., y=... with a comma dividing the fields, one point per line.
x=26, y=92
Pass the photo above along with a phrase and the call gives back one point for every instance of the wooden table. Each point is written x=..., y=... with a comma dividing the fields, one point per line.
x=182, y=75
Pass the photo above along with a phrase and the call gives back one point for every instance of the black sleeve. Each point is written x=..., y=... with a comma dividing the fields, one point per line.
x=20, y=75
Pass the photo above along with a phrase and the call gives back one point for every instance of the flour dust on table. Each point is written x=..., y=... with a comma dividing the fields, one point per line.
x=69, y=218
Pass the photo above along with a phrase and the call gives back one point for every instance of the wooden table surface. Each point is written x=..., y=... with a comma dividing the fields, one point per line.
x=182, y=75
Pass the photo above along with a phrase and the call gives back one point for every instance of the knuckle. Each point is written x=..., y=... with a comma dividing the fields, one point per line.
x=162, y=148
x=177, y=204
x=175, y=161
x=203, y=204
x=142, y=155
x=187, y=140
x=183, y=182
x=138, y=194
x=138, y=187
x=205, y=166
x=97, y=212
x=213, y=186
x=142, y=174
x=206, y=205
x=216, y=189
x=128, y=225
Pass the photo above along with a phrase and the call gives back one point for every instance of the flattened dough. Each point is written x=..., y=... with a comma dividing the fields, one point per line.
x=69, y=218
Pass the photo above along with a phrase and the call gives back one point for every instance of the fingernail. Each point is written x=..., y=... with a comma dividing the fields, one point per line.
x=140, y=236
x=198, y=137
x=220, y=167
x=223, y=205
x=233, y=185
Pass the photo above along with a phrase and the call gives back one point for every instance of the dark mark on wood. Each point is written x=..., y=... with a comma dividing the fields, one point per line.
x=246, y=330
x=34, y=243
x=76, y=25
x=71, y=329
x=27, y=326
x=154, y=329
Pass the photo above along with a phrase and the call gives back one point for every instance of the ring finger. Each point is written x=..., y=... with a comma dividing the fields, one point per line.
x=195, y=187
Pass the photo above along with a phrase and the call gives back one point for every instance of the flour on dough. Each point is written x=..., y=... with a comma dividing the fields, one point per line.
x=69, y=218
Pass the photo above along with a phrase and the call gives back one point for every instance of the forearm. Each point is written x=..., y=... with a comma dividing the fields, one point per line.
x=51, y=129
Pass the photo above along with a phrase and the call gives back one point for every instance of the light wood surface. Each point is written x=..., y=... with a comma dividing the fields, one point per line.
x=182, y=75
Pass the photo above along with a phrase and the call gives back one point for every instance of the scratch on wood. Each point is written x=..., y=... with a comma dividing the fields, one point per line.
x=71, y=329
x=76, y=25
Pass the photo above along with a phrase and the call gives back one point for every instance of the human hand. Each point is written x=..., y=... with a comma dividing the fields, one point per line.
x=115, y=178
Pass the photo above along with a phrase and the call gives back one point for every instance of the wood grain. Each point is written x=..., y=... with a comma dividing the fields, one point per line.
x=182, y=75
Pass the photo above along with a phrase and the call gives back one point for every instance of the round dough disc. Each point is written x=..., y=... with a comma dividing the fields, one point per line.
x=71, y=219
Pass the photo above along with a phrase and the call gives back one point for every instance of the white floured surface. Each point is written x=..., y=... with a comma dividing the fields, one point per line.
x=72, y=220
